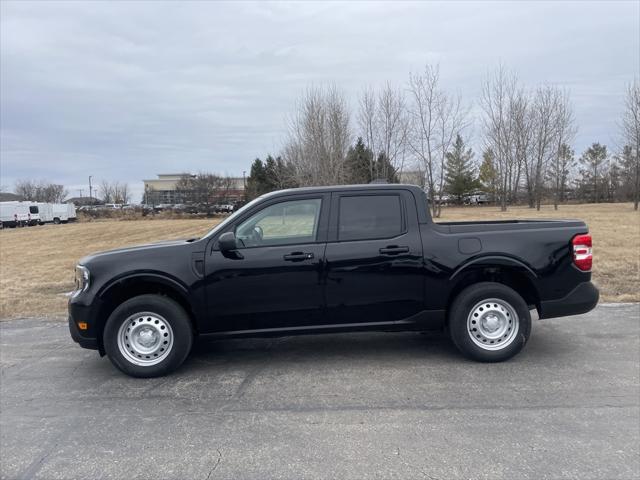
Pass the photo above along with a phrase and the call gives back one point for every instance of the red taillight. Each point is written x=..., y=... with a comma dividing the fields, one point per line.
x=582, y=254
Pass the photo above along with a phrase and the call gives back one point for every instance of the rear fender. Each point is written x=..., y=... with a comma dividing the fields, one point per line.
x=489, y=261
x=497, y=268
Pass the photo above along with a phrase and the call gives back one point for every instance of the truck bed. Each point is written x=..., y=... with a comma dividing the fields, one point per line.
x=504, y=225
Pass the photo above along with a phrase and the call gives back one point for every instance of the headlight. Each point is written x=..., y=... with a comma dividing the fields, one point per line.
x=82, y=279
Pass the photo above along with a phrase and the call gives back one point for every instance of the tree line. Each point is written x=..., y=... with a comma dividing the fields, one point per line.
x=47, y=192
x=40, y=191
x=423, y=128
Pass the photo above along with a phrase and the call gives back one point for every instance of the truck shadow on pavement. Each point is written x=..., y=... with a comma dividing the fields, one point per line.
x=332, y=350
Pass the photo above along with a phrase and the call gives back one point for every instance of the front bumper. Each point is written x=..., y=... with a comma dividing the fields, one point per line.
x=581, y=299
x=85, y=309
x=85, y=342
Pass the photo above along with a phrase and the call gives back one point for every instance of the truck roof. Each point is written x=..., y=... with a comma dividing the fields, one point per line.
x=342, y=188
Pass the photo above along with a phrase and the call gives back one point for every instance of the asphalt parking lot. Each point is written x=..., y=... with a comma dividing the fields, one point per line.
x=383, y=405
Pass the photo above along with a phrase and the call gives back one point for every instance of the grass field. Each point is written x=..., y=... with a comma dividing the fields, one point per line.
x=36, y=264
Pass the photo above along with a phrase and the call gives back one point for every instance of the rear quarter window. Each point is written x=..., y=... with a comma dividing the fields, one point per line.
x=367, y=217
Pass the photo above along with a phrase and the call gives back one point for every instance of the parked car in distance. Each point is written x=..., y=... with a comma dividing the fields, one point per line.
x=332, y=259
x=224, y=208
x=477, y=198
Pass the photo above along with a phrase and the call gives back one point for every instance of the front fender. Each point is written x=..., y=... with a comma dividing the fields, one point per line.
x=148, y=276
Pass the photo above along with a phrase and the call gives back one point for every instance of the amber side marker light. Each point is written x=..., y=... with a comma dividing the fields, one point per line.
x=83, y=325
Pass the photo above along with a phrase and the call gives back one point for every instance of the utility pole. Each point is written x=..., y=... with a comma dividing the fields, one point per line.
x=90, y=196
x=244, y=185
x=80, y=192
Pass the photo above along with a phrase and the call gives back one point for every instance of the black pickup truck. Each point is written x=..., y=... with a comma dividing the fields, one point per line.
x=332, y=259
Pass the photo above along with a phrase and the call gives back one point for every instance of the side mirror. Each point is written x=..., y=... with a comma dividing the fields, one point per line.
x=227, y=242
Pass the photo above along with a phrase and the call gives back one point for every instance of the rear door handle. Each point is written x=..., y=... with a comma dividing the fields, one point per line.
x=394, y=250
x=298, y=256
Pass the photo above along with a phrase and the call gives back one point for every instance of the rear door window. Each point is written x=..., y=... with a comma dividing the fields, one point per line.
x=369, y=217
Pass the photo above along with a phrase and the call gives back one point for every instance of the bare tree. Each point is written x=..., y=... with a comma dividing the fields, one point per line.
x=499, y=97
x=115, y=192
x=201, y=189
x=319, y=137
x=563, y=158
x=368, y=125
x=225, y=185
x=436, y=118
x=631, y=134
x=122, y=193
x=41, y=191
x=106, y=191
x=425, y=98
x=26, y=189
x=384, y=125
x=545, y=112
x=522, y=121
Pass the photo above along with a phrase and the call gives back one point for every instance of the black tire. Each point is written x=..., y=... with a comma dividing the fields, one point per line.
x=504, y=310
x=142, y=309
x=56, y=221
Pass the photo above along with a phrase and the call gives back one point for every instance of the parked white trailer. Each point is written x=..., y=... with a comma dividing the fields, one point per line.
x=18, y=214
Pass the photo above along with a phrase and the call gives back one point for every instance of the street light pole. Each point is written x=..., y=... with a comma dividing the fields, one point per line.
x=90, y=197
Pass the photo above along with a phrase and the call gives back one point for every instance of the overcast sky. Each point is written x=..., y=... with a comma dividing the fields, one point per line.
x=126, y=90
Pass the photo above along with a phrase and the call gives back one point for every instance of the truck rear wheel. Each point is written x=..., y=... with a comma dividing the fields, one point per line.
x=489, y=322
x=148, y=336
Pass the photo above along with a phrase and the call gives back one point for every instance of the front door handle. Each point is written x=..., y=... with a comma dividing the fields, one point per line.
x=298, y=256
x=394, y=250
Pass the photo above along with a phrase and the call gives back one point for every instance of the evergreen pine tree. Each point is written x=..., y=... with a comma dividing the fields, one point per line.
x=257, y=180
x=385, y=171
x=488, y=175
x=593, y=162
x=459, y=170
x=358, y=163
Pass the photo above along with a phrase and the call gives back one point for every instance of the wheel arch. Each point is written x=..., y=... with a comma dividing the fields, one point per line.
x=507, y=271
x=133, y=285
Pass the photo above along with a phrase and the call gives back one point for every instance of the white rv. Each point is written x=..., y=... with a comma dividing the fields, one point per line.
x=18, y=214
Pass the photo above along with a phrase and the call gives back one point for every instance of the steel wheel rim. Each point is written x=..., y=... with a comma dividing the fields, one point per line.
x=493, y=324
x=145, y=339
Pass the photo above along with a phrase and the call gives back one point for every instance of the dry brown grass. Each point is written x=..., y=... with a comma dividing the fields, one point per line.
x=36, y=264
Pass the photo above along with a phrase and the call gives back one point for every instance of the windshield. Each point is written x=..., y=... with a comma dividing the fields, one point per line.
x=231, y=217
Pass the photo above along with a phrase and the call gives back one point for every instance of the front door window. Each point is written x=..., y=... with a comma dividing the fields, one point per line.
x=284, y=223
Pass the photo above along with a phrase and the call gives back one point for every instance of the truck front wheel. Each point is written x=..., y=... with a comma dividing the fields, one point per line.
x=489, y=322
x=148, y=336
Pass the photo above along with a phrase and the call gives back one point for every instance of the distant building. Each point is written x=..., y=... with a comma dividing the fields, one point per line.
x=10, y=197
x=414, y=177
x=163, y=190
